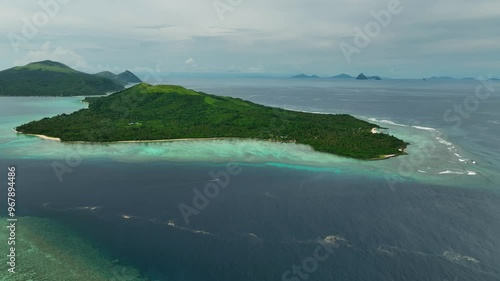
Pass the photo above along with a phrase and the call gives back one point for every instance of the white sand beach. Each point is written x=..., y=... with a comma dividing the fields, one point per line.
x=40, y=136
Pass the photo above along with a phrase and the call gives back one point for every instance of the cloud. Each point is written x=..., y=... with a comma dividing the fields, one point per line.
x=288, y=35
x=190, y=62
x=59, y=54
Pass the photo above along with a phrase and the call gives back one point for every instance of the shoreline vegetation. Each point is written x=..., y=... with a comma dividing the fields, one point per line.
x=166, y=113
x=382, y=157
x=39, y=136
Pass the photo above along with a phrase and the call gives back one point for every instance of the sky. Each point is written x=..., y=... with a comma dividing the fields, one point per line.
x=389, y=38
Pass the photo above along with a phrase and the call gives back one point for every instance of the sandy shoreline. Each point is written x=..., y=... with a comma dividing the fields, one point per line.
x=172, y=140
x=45, y=137
x=131, y=141
x=134, y=141
x=40, y=136
x=383, y=157
x=141, y=141
x=374, y=131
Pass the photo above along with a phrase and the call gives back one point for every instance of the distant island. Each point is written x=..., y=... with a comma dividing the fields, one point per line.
x=342, y=76
x=166, y=113
x=363, y=77
x=449, y=78
x=49, y=78
x=440, y=78
x=302, y=76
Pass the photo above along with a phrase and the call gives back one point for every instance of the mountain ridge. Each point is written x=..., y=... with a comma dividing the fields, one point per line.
x=50, y=78
x=125, y=78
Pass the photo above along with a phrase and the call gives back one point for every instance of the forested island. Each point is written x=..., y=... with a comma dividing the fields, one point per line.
x=50, y=78
x=164, y=112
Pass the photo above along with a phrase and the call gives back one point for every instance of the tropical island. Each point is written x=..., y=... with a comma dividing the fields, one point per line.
x=49, y=78
x=164, y=112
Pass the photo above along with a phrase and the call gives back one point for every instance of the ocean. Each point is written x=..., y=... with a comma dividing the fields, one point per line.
x=249, y=210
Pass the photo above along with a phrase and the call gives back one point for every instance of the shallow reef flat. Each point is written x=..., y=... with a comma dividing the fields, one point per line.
x=48, y=251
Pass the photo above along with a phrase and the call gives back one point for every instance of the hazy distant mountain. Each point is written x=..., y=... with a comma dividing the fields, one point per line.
x=364, y=77
x=440, y=78
x=49, y=78
x=305, y=76
x=129, y=77
x=466, y=78
x=342, y=76
x=123, y=78
x=361, y=77
x=106, y=74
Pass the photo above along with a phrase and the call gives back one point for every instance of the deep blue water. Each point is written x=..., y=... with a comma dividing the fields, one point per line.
x=269, y=219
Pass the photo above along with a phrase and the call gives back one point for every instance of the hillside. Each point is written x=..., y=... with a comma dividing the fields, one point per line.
x=49, y=78
x=125, y=78
x=146, y=112
x=106, y=74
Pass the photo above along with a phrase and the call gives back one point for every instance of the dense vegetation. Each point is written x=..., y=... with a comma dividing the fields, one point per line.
x=48, y=78
x=146, y=112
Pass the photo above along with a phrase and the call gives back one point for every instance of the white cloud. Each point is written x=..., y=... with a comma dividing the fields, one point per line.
x=190, y=62
x=59, y=54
